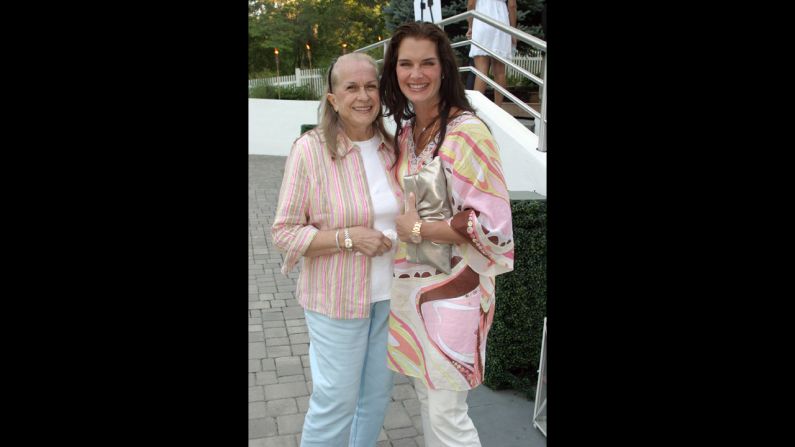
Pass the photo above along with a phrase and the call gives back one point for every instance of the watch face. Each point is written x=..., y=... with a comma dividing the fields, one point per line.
x=348, y=243
x=415, y=238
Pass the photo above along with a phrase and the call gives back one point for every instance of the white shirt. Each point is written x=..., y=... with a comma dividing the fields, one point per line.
x=385, y=209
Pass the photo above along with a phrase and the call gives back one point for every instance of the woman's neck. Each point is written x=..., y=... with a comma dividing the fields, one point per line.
x=360, y=133
x=425, y=114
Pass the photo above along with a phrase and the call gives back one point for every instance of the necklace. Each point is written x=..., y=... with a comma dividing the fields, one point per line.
x=428, y=126
x=419, y=136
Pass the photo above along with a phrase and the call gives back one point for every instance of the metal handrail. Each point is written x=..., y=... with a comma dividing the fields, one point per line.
x=521, y=70
x=519, y=103
x=529, y=39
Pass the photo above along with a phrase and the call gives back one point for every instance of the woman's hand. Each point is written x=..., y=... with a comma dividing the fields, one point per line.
x=405, y=222
x=369, y=242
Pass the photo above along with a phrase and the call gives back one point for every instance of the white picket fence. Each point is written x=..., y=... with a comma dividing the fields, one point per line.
x=532, y=62
x=315, y=78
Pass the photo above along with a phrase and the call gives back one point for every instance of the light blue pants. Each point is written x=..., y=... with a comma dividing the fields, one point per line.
x=351, y=384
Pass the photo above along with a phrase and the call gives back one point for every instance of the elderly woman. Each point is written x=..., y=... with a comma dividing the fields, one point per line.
x=337, y=201
x=439, y=321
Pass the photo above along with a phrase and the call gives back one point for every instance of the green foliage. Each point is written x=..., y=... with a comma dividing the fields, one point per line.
x=290, y=92
x=398, y=12
x=324, y=25
x=514, y=343
x=307, y=127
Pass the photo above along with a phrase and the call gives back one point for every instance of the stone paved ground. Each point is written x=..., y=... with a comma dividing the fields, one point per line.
x=279, y=378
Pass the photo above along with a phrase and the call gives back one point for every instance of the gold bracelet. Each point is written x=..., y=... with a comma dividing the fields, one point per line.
x=416, y=233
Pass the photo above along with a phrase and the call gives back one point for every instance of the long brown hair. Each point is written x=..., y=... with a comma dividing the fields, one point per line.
x=451, y=91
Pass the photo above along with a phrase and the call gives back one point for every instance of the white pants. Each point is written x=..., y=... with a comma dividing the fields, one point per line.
x=445, y=422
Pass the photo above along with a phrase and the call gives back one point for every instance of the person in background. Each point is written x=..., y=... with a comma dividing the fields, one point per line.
x=495, y=40
x=337, y=204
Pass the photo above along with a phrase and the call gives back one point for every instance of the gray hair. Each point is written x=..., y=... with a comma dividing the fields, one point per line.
x=329, y=120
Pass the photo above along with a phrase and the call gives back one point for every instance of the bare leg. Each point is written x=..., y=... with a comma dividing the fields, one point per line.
x=482, y=64
x=499, y=75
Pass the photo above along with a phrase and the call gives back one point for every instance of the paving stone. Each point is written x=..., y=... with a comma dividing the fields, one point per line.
x=400, y=433
x=296, y=322
x=266, y=378
x=281, y=341
x=291, y=423
x=277, y=441
x=275, y=332
x=278, y=351
x=297, y=330
x=284, y=390
x=292, y=312
x=255, y=393
x=286, y=366
x=281, y=407
x=256, y=410
x=396, y=416
x=254, y=365
x=255, y=337
x=268, y=365
x=403, y=391
x=256, y=350
x=271, y=315
x=300, y=349
x=261, y=427
x=288, y=379
x=408, y=442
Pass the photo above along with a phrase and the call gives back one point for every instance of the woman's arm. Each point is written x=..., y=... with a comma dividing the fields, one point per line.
x=433, y=231
x=292, y=234
x=470, y=6
x=512, y=18
x=365, y=240
x=324, y=243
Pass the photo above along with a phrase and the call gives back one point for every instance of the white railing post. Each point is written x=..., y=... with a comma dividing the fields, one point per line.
x=542, y=131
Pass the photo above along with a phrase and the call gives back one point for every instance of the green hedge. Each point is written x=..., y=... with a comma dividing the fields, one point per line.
x=290, y=92
x=514, y=343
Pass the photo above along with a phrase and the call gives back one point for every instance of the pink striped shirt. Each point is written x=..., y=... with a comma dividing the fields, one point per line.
x=319, y=193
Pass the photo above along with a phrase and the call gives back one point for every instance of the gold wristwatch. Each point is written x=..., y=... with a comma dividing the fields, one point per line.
x=416, y=236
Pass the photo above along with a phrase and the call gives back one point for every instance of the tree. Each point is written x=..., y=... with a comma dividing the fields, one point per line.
x=324, y=25
x=528, y=16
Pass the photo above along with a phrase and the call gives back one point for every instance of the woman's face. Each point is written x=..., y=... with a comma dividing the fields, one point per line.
x=355, y=95
x=419, y=71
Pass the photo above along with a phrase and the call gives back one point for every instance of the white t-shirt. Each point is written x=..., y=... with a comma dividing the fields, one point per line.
x=385, y=209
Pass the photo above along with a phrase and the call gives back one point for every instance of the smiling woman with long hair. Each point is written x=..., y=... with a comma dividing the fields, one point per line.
x=439, y=322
